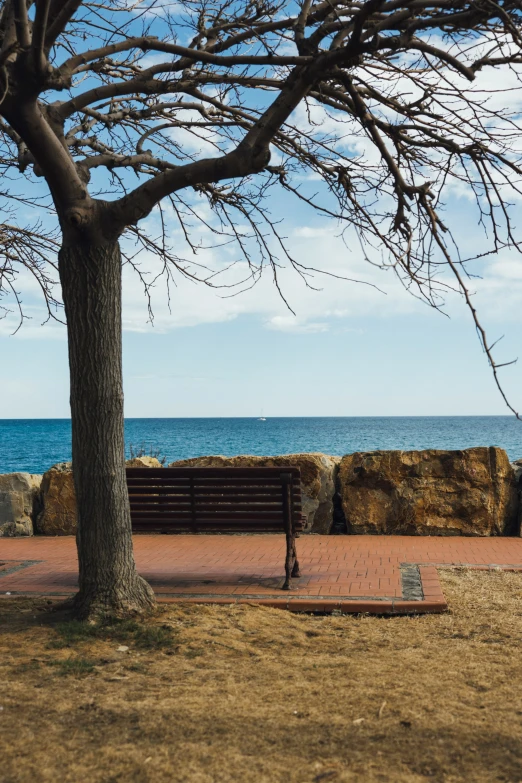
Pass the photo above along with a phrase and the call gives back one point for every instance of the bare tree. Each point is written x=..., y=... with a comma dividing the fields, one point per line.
x=380, y=100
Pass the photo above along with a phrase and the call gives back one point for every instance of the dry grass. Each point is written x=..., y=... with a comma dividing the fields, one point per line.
x=217, y=694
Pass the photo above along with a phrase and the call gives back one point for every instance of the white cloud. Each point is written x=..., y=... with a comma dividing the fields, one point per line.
x=333, y=299
x=498, y=294
x=312, y=231
x=289, y=323
x=336, y=305
x=151, y=9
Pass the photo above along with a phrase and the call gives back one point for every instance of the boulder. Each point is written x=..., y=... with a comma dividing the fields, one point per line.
x=143, y=462
x=517, y=467
x=58, y=515
x=318, y=475
x=19, y=498
x=470, y=492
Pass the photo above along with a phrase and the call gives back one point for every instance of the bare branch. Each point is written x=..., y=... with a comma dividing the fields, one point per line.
x=23, y=33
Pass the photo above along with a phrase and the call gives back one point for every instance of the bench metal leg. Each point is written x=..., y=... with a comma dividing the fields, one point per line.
x=289, y=561
x=295, y=570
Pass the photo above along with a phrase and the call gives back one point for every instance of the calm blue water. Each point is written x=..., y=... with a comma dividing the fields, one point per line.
x=35, y=444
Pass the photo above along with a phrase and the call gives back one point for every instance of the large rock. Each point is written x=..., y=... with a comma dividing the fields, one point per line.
x=470, y=492
x=58, y=515
x=318, y=473
x=19, y=497
x=143, y=462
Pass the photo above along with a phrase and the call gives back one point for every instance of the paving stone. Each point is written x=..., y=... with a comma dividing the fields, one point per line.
x=380, y=574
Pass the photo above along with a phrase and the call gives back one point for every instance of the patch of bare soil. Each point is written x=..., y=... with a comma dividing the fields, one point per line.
x=206, y=694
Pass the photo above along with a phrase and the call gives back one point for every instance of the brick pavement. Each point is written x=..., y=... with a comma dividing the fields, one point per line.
x=379, y=574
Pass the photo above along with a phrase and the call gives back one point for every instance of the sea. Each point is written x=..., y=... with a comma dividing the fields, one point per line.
x=33, y=445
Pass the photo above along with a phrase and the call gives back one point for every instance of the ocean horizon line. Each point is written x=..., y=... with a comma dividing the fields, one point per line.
x=257, y=417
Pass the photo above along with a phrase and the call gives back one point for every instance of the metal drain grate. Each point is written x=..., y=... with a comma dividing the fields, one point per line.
x=8, y=567
x=411, y=582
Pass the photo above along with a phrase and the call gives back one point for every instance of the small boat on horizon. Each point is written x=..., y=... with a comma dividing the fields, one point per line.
x=261, y=418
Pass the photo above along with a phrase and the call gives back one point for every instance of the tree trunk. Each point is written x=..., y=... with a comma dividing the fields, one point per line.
x=91, y=285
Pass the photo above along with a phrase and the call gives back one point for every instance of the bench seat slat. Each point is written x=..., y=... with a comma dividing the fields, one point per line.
x=246, y=488
x=210, y=492
x=248, y=472
x=170, y=510
x=166, y=497
x=210, y=499
x=187, y=529
x=205, y=485
x=209, y=525
x=216, y=515
x=224, y=479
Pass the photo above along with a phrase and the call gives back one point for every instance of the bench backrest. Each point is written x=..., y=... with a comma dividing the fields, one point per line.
x=225, y=500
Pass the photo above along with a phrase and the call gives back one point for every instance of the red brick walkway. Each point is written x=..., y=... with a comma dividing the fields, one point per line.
x=381, y=574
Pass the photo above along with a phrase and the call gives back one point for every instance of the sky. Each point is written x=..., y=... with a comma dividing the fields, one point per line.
x=365, y=348
x=350, y=349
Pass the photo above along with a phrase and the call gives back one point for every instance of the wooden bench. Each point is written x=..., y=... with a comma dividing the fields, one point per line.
x=219, y=500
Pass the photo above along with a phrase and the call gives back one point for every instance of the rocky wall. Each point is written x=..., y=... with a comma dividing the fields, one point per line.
x=473, y=492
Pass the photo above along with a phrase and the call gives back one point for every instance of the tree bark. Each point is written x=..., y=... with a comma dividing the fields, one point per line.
x=90, y=275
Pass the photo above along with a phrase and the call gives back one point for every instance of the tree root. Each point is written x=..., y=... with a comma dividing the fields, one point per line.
x=135, y=601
